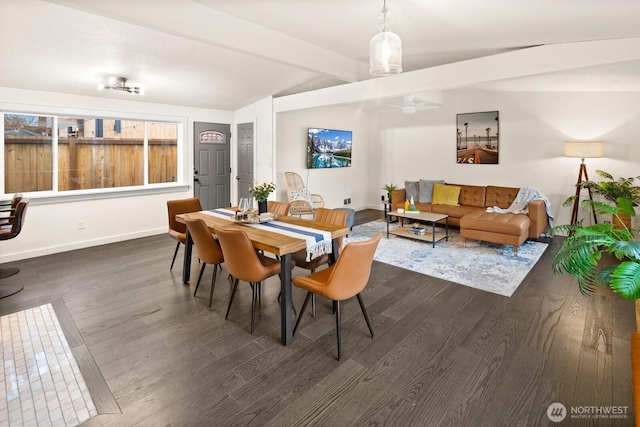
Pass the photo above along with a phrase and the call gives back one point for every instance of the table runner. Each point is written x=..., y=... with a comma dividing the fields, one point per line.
x=318, y=241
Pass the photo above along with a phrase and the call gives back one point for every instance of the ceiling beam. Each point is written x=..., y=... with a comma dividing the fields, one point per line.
x=519, y=63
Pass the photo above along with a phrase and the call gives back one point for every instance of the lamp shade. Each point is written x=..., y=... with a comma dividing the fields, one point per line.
x=385, y=54
x=583, y=149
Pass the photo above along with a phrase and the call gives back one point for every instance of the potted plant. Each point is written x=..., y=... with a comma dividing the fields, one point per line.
x=261, y=194
x=611, y=189
x=389, y=188
x=580, y=254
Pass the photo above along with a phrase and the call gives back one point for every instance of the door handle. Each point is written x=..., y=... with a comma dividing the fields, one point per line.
x=196, y=179
x=238, y=178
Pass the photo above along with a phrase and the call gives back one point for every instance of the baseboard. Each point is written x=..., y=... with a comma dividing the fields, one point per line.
x=79, y=245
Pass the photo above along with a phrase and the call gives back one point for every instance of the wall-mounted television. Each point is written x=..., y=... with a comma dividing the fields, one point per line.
x=328, y=148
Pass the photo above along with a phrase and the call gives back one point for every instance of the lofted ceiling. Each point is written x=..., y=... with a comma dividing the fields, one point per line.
x=224, y=54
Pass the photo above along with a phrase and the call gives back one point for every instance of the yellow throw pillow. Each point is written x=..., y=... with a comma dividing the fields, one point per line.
x=446, y=194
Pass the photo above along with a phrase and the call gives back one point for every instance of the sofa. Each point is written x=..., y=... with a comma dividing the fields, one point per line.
x=466, y=206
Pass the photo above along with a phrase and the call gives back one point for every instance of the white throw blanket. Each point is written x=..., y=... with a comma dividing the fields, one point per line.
x=520, y=204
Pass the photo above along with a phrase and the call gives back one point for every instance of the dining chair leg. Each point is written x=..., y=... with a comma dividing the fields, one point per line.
x=233, y=294
x=366, y=317
x=254, y=297
x=174, y=256
x=213, y=283
x=199, y=277
x=313, y=305
x=304, y=306
x=337, y=307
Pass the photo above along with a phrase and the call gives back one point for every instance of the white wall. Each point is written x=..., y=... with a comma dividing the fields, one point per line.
x=52, y=226
x=533, y=128
x=335, y=184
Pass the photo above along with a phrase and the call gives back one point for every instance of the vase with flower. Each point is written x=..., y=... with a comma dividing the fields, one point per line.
x=261, y=192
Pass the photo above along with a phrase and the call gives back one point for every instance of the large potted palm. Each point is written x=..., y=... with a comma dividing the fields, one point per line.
x=612, y=189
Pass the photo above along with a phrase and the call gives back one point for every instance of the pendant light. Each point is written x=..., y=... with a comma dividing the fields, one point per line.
x=385, y=48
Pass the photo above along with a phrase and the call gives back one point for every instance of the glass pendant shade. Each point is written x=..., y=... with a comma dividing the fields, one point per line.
x=385, y=54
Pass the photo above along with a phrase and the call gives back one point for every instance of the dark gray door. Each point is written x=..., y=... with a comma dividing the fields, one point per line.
x=212, y=171
x=245, y=159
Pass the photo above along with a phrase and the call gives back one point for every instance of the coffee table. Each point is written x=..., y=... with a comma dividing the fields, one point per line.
x=422, y=217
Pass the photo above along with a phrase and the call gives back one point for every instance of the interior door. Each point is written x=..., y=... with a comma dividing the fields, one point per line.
x=245, y=159
x=212, y=171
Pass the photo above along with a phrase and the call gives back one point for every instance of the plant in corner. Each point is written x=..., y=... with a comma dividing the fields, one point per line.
x=611, y=189
x=581, y=252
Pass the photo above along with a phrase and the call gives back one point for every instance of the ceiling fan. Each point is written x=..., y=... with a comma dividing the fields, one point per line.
x=410, y=104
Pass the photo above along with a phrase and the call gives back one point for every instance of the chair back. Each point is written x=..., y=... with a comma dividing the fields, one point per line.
x=333, y=217
x=208, y=249
x=278, y=208
x=240, y=257
x=293, y=181
x=176, y=207
x=15, y=221
x=351, y=273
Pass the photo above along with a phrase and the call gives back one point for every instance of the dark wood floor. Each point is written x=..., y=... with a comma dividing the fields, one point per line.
x=444, y=354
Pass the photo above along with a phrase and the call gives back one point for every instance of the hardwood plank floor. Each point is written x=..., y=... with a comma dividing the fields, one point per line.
x=444, y=354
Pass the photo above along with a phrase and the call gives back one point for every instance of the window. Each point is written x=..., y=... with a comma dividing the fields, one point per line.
x=68, y=153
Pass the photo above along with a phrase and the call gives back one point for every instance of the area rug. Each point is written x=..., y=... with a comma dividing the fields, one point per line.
x=481, y=265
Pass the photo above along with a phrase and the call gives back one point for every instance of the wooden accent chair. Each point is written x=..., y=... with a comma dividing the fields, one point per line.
x=208, y=251
x=177, y=230
x=328, y=216
x=301, y=200
x=245, y=263
x=278, y=208
x=343, y=280
x=9, y=229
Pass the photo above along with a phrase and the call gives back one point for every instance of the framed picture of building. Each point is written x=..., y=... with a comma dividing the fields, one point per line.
x=477, y=138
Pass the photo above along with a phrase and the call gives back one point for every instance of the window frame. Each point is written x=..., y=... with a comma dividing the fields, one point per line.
x=55, y=195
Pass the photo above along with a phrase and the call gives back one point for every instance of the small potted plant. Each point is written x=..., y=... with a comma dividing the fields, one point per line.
x=389, y=188
x=261, y=194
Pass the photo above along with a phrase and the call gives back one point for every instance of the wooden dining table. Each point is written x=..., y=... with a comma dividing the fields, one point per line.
x=278, y=244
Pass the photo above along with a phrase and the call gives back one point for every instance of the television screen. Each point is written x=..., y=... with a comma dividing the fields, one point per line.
x=328, y=148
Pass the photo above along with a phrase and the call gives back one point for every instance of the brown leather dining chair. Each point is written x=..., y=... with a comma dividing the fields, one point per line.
x=278, y=208
x=208, y=251
x=177, y=230
x=343, y=280
x=244, y=263
x=9, y=230
x=328, y=216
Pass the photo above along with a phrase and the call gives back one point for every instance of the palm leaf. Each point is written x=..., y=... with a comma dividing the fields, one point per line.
x=625, y=280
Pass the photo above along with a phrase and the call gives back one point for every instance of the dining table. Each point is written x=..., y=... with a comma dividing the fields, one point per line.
x=281, y=245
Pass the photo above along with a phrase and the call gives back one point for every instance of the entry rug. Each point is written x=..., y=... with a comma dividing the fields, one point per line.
x=486, y=266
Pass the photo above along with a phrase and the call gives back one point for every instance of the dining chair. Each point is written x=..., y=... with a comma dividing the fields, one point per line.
x=244, y=263
x=278, y=208
x=10, y=228
x=208, y=250
x=177, y=230
x=328, y=216
x=343, y=280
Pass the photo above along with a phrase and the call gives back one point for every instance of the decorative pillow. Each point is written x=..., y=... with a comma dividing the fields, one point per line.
x=411, y=189
x=425, y=192
x=300, y=195
x=446, y=194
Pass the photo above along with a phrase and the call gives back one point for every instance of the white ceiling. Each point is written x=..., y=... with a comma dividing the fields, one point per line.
x=225, y=54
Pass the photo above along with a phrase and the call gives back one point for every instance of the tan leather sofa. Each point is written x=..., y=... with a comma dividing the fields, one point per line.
x=511, y=229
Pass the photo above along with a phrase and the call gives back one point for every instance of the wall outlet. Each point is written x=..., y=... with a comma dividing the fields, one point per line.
x=81, y=224
x=349, y=201
x=346, y=201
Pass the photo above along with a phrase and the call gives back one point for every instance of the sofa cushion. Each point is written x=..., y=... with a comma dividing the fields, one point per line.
x=425, y=190
x=446, y=194
x=501, y=197
x=511, y=224
x=411, y=190
x=454, y=211
x=471, y=195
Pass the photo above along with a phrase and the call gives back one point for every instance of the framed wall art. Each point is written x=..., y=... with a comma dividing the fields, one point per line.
x=477, y=138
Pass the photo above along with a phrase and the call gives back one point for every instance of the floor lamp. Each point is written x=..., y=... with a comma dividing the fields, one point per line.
x=582, y=150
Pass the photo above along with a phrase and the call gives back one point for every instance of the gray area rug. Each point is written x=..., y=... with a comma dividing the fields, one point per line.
x=481, y=265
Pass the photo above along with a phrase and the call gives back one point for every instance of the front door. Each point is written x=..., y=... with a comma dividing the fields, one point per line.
x=245, y=159
x=212, y=171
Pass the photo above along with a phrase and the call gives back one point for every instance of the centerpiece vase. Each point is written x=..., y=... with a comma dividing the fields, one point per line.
x=262, y=206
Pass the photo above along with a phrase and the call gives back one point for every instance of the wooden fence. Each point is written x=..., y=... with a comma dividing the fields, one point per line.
x=85, y=163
